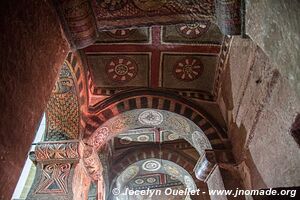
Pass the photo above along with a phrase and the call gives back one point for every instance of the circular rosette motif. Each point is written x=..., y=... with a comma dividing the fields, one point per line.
x=121, y=69
x=149, y=5
x=151, y=165
x=121, y=33
x=112, y=4
x=143, y=138
x=150, y=117
x=188, y=69
x=193, y=31
x=139, y=181
x=151, y=180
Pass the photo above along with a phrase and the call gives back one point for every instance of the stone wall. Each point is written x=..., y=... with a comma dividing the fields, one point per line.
x=262, y=107
x=274, y=26
x=32, y=50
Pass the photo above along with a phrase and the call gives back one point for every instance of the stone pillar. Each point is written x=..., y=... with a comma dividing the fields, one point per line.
x=55, y=162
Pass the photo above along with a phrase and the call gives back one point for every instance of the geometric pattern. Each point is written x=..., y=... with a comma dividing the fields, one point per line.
x=149, y=5
x=112, y=4
x=151, y=118
x=165, y=48
x=157, y=180
x=122, y=13
x=188, y=69
x=194, y=30
x=62, y=112
x=54, y=179
x=141, y=98
x=121, y=69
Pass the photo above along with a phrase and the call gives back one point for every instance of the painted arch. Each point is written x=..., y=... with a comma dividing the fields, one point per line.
x=160, y=100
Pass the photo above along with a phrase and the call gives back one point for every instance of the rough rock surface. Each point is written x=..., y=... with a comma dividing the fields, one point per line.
x=264, y=108
x=274, y=26
x=32, y=50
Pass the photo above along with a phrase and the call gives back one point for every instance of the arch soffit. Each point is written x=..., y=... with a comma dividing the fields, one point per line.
x=158, y=165
x=142, y=153
x=143, y=99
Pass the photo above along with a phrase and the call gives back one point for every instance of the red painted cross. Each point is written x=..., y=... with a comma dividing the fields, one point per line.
x=155, y=47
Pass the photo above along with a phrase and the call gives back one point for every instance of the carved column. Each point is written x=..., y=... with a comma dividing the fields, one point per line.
x=55, y=163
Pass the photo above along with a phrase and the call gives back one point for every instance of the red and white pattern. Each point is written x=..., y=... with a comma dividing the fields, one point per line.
x=193, y=31
x=121, y=69
x=188, y=69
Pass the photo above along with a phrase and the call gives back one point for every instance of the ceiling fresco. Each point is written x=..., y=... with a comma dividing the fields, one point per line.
x=164, y=120
x=151, y=181
x=140, y=136
x=182, y=58
x=83, y=20
x=154, y=173
x=108, y=13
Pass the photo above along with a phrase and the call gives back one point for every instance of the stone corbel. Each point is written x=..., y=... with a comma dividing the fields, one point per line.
x=205, y=166
x=55, y=163
x=209, y=161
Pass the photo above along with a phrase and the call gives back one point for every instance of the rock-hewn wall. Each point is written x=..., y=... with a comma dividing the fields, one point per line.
x=274, y=26
x=32, y=50
x=262, y=106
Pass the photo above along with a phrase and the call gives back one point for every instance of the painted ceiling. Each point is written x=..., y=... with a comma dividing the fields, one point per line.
x=153, y=180
x=183, y=58
x=83, y=20
x=145, y=135
x=154, y=173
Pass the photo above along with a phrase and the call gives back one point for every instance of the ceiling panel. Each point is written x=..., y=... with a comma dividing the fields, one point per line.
x=188, y=71
x=120, y=70
x=140, y=35
x=196, y=33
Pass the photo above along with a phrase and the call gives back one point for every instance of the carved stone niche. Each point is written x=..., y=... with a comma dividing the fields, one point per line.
x=55, y=163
